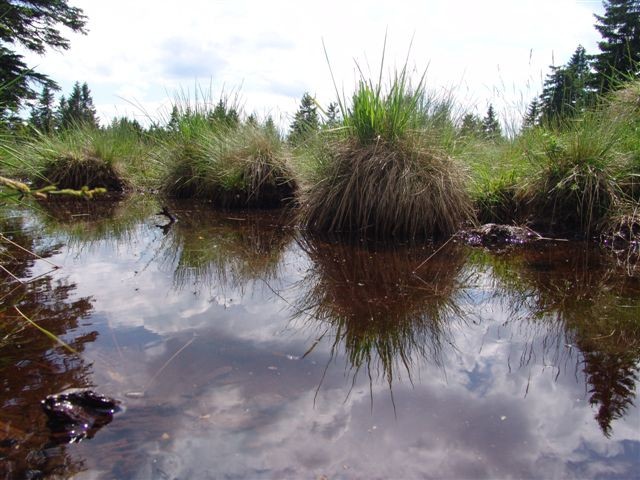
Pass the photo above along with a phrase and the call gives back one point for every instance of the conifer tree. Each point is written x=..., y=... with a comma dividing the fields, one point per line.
x=532, y=116
x=490, y=125
x=619, y=57
x=224, y=114
x=42, y=114
x=87, y=110
x=78, y=108
x=566, y=89
x=270, y=127
x=32, y=25
x=174, y=119
x=471, y=125
x=332, y=115
x=305, y=122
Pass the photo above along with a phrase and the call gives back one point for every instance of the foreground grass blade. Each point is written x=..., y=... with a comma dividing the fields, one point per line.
x=47, y=332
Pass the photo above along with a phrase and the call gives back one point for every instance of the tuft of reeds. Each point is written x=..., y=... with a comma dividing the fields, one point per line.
x=232, y=165
x=387, y=173
x=114, y=158
x=575, y=174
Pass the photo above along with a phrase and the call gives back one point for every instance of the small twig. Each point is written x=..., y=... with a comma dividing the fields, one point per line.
x=47, y=332
x=604, y=336
x=433, y=254
x=166, y=364
x=29, y=251
x=11, y=274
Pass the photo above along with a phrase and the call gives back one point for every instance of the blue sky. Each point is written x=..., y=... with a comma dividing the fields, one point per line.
x=138, y=55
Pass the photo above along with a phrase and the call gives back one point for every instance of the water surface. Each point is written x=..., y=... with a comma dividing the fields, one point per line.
x=242, y=348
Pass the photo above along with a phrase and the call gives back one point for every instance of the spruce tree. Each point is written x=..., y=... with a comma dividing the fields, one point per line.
x=42, y=114
x=532, y=116
x=224, y=114
x=471, y=125
x=305, y=122
x=174, y=120
x=78, y=109
x=567, y=89
x=619, y=57
x=87, y=110
x=332, y=115
x=490, y=125
x=30, y=25
x=270, y=127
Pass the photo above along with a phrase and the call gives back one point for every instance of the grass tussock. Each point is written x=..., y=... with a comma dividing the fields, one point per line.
x=112, y=158
x=233, y=166
x=574, y=176
x=387, y=173
x=404, y=190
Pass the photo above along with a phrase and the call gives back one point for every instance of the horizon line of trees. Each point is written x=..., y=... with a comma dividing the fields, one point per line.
x=571, y=88
x=567, y=90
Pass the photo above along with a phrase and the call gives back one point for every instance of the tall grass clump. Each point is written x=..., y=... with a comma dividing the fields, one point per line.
x=229, y=162
x=575, y=174
x=387, y=172
x=622, y=109
x=83, y=155
x=497, y=170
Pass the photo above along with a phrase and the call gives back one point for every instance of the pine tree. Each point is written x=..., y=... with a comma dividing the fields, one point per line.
x=471, y=125
x=87, y=110
x=42, y=114
x=566, y=89
x=490, y=125
x=619, y=57
x=305, y=122
x=31, y=25
x=532, y=118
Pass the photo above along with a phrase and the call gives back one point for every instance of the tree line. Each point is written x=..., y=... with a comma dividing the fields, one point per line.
x=35, y=25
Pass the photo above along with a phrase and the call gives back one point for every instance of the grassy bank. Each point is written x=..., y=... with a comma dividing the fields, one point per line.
x=397, y=165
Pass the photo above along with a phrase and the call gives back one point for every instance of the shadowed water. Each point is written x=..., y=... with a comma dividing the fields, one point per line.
x=241, y=348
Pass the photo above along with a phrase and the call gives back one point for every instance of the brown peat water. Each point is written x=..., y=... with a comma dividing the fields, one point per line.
x=240, y=347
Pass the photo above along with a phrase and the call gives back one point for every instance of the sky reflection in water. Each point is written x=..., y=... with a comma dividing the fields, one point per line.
x=262, y=353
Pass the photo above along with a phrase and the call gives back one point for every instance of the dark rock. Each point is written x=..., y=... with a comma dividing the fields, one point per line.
x=78, y=414
x=493, y=234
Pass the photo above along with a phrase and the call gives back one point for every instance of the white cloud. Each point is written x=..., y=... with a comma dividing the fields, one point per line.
x=145, y=50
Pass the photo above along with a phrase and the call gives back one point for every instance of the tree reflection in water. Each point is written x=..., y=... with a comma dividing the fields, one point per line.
x=579, y=296
x=32, y=366
x=374, y=304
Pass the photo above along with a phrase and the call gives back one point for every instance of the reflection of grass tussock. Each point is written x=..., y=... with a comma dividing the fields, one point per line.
x=85, y=222
x=209, y=246
x=377, y=307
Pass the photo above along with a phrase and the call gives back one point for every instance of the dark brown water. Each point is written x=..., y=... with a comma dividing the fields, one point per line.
x=243, y=349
